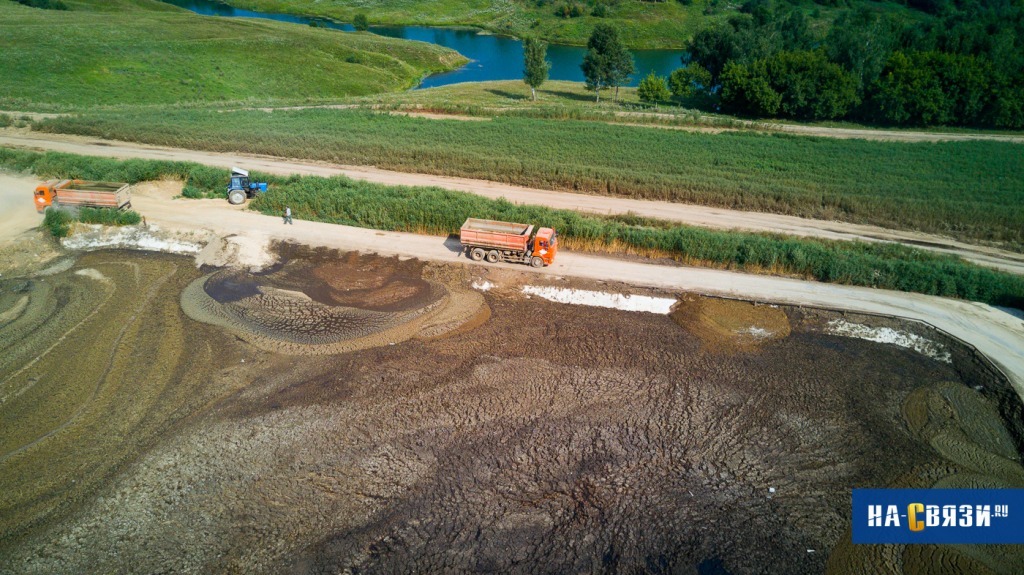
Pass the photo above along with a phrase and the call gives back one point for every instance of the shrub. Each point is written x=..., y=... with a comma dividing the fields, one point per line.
x=653, y=89
x=58, y=222
x=44, y=4
x=360, y=22
x=192, y=192
x=5, y=121
x=108, y=217
x=600, y=10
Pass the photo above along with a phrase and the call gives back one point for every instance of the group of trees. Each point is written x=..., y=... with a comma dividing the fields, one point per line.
x=965, y=68
x=607, y=63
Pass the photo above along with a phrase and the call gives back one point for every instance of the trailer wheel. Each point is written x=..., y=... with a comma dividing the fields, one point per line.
x=236, y=197
x=476, y=254
x=537, y=262
x=493, y=256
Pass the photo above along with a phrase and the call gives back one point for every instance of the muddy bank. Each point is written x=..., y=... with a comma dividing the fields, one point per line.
x=538, y=437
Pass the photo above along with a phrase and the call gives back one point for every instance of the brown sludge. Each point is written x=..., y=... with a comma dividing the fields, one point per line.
x=503, y=434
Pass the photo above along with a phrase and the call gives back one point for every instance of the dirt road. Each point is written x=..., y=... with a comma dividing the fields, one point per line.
x=709, y=217
x=997, y=334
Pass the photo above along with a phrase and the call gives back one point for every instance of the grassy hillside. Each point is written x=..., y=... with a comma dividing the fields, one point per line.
x=112, y=52
x=971, y=190
x=642, y=24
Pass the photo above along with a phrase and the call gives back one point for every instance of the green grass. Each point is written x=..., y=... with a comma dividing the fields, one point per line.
x=557, y=99
x=58, y=220
x=143, y=52
x=432, y=210
x=970, y=190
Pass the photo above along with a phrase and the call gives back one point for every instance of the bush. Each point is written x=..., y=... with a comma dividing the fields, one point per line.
x=191, y=192
x=108, y=217
x=5, y=121
x=690, y=81
x=653, y=89
x=569, y=10
x=44, y=4
x=600, y=10
x=58, y=222
x=360, y=22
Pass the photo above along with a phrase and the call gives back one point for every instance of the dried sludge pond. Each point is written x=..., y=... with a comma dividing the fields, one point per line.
x=347, y=413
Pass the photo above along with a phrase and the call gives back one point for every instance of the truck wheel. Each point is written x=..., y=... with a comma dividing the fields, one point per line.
x=537, y=262
x=493, y=256
x=477, y=254
x=236, y=197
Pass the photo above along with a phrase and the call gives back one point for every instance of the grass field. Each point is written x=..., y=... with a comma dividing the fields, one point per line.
x=436, y=211
x=969, y=190
x=139, y=52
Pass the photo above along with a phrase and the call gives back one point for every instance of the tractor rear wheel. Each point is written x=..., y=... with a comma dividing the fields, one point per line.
x=477, y=254
x=493, y=256
x=236, y=197
x=537, y=262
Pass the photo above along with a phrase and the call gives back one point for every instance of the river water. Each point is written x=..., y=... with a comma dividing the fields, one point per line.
x=491, y=57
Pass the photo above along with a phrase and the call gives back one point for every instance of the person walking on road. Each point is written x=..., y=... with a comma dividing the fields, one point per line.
x=288, y=215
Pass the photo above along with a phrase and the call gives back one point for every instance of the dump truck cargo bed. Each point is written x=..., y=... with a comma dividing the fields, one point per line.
x=81, y=193
x=494, y=234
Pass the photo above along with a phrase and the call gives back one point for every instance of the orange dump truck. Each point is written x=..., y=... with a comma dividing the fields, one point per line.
x=505, y=241
x=81, y=193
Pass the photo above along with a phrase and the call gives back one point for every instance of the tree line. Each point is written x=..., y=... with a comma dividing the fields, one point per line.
x=963, y=66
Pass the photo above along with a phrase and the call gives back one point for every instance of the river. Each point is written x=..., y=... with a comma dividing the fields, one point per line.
x=491, y=57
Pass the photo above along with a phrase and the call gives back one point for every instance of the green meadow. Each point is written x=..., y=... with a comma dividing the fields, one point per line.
x=144, y=52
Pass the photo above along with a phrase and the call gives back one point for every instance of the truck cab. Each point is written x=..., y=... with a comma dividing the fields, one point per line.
x=44, y=195
x=545, y=245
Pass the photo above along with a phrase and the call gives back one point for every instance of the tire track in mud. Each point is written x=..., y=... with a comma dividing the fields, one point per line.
x=144, y=303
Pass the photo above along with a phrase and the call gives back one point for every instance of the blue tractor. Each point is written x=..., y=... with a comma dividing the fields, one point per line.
x=240, y=188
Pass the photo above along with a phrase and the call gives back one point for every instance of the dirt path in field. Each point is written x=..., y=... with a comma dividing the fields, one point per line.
x=710, y=217
x=997, y=334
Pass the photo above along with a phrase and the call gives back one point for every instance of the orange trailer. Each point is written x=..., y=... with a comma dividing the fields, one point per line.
x=81, y=193
x=506, y=241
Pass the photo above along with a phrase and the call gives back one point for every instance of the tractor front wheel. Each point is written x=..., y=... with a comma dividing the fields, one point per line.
x=236, y=197
x=537, y=262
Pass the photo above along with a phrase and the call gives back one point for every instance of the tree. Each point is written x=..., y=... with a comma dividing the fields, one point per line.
x=690, y=81
x=535, y=64
x=360, y=23
x=653, y=89
x=811, y=87
x=595, y=70
x=607, y=62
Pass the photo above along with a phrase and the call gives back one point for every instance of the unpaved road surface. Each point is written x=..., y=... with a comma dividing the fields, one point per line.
x=705, y=216
x=997, y=334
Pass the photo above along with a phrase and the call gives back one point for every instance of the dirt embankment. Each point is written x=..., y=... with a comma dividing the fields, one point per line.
x=547, y=437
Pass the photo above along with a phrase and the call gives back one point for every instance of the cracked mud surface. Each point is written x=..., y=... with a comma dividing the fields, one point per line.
x=533, y=437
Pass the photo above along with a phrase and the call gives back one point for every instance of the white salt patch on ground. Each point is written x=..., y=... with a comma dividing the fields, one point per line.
x=482, y=285
x=92, y=274
x=131, y=238
x=758, y=332
x=888, y=335
x=641, y=303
